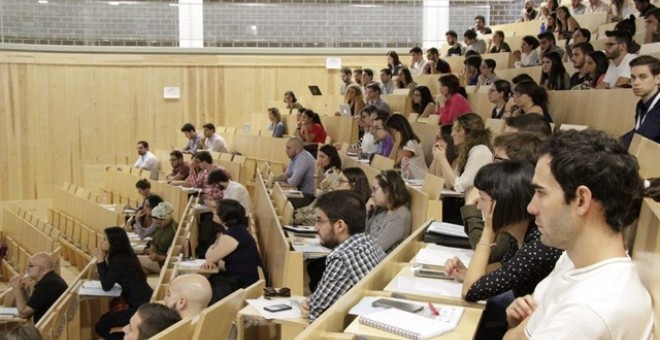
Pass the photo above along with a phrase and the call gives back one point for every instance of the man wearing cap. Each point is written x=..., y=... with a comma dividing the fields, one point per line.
x=161, y=240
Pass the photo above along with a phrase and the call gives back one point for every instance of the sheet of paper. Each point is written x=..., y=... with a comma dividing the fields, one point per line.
x=449, y=229
x=93, y=288
x=292, y=313
x=437, y=255
x=196, y=263
x=406, y=282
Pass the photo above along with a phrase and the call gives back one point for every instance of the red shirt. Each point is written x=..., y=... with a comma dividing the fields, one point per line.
x=454, y=107
x=318, y=131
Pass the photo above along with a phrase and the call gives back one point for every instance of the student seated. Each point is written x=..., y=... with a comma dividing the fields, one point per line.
x=236, y=247
x=531, y=122
x=504, y=188
x=523, y=146
x=188, y=294
x=528, y=54
x=646, y=77
x=231, y=189
x=47, y=288
x=161, y=239
x=454, y=103
x=340, y=225
x=117, y=264
x=328, y=169
x=149, y=320
x=530, y=98
x=382, y=137
x=497, y=44
x=554, y=75
x=147, y=160
x=443, y=141
x=276, y=125
x=299, y=172
x=422, y=102
x=312, y=130
x=472, y=139
x=180, y=168
x=499, y=94
x=594, y=291
x=388, y=217
x=349, y=179
x=407, y=153
x=144, y=225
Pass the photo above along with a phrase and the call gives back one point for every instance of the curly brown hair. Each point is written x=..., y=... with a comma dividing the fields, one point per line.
x=476, y=133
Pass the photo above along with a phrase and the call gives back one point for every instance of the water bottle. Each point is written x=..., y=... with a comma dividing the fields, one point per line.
x=543, y=27
x=405, y=169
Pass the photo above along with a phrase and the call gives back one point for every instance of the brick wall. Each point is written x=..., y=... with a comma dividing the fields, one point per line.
x=238, y=23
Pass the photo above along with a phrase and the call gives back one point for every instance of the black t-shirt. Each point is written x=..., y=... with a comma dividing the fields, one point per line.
x=442, y=67
x=454, y=51
x=244, y=260
x=45, y=293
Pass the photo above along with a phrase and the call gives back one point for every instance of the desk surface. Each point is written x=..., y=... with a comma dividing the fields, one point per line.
x=252, y=313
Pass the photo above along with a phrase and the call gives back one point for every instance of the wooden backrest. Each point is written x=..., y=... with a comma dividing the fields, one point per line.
x=382, y=163
x=433, y=186
x=647, y=152
x=218, y=319
x=178, y=331
x=646, y=254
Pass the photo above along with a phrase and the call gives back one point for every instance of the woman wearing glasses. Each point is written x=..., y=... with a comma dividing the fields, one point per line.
x=499, y=94
x=388, y=218
x=531, y=98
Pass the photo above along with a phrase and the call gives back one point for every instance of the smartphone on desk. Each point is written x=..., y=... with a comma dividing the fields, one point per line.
x=277, y=308
x=432, y=274
x=404, y=306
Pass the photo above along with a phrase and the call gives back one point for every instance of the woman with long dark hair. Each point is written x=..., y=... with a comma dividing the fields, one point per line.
x=393, y=62
x=422, y=101
x=596, y=64
x=117, y=264
x=553, y=73
x=454, y=103
x=312, y=130
x=407, y=152
x=531, y=98
x=328, y=169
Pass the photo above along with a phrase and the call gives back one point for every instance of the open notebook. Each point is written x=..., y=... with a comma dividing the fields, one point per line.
x=405, y=324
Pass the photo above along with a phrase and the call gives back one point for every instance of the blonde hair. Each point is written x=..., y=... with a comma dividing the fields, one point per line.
x=358, y=93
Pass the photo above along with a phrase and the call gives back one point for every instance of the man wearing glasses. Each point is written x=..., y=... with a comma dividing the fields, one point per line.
x=47, y=289
x=616, y=49
x=340, y=225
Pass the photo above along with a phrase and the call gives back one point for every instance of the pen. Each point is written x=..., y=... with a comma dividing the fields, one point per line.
x=433, y=309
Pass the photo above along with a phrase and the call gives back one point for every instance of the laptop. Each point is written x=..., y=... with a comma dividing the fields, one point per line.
x=315, y=90
x=345, y=109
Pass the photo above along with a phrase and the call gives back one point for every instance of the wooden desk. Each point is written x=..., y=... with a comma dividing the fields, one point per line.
x=289, y=328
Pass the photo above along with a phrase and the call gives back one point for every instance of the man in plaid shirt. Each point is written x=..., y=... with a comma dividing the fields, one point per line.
x=340, y=224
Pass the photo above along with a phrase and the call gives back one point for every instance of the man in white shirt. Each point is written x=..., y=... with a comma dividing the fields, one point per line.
x=596, y=6
x=345, y=79
x=587, y=189
x=616, y=48
x=234, y=190
x=417, y=61
x=213, y=141
x=473, y=43
x=577, y=7
x=147, y=160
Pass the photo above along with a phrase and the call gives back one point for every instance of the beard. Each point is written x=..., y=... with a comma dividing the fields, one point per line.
x=330, y=241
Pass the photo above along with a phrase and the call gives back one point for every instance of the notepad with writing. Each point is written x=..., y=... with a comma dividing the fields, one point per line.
x=405, y=324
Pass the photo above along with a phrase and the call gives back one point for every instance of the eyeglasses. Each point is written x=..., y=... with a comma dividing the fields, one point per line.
x=497, y=159
x=272, y=292
x=376, y=128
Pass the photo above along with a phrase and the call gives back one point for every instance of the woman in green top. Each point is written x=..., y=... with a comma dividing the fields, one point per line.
x=161, y=239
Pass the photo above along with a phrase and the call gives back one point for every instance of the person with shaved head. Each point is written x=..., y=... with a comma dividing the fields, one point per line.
x=300, y=172
x=188, y=294
x=47, y=289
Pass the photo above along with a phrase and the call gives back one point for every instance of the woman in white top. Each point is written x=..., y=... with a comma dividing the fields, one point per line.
x=407, y=151
x=472, y=139
x=621, y=9
x=530, y=54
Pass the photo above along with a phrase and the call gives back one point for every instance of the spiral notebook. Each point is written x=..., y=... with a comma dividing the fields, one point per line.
x=407, y=325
